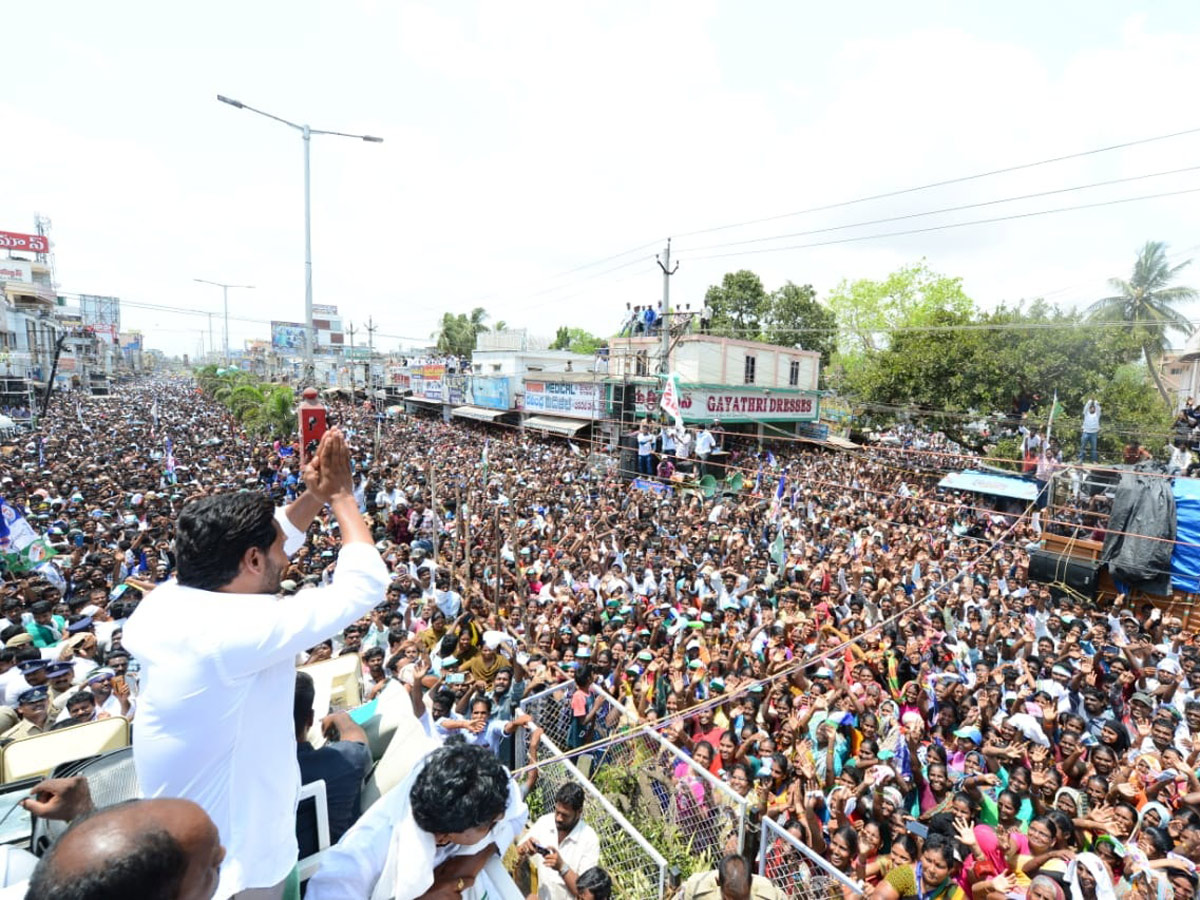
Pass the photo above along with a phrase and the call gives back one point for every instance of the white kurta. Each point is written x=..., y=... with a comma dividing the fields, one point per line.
x=385, y=855
x=214, y=720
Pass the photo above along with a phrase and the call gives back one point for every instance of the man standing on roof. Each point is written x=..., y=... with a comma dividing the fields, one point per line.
x=218, y=653
x=1091, y=429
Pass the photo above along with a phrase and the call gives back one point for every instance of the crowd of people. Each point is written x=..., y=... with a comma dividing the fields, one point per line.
x=861, y=658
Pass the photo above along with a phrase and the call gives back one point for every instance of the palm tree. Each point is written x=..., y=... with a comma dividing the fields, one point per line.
x=1147, y=301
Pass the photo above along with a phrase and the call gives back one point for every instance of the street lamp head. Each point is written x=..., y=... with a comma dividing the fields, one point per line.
x=372, y=140
x=237, y=103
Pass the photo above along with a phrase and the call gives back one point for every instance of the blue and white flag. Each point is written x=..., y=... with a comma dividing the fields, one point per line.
x=21, y=548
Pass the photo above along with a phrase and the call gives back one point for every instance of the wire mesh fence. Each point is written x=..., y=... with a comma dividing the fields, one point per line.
x=551, y=710
x=702, y=806
x=797, y=870
x=639, y=872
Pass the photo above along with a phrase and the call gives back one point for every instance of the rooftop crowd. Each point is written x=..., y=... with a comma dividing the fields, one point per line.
x=887, y=685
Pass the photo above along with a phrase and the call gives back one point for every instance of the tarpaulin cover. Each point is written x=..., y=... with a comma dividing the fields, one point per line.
x=1185, y=561
x=1141, y=535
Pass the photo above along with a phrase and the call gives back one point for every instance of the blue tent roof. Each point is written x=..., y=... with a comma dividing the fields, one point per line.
x=987, y=483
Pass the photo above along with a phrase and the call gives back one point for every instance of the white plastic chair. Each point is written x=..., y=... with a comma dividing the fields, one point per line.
x=315, y=790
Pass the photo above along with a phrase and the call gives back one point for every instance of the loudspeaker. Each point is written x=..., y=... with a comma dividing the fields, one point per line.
x=1081, y=575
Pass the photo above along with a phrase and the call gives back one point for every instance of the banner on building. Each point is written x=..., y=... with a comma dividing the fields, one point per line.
x=432, y=382
x=456, y=389
x=733, y=405
x=26, y=243
x=490, y=393
x=16, y=270
x=324, y=310
x=576, y=399
x=289, y=336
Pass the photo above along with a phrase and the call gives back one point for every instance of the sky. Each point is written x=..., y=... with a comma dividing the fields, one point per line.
x=537, y=155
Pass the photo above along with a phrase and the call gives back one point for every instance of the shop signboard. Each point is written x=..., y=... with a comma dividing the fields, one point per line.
x=733, y=405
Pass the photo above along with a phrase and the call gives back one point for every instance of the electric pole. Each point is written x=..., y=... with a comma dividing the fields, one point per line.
x=371, y=329
x=350, y=331
x=664, y=263
x=211, y=345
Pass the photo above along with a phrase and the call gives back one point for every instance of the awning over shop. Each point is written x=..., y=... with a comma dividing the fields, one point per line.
x=555, y=425
x=984, y=483
x=423, y=401
x=478, y=413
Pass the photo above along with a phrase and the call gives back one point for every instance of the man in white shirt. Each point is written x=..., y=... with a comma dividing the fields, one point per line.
x=437, y=830
x=705, y=444
x=1091, y=430
x=561, y=846
x=218, y=649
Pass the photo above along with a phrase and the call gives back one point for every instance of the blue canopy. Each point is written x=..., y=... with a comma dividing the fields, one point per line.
x=1185, y=560
x=987, y=483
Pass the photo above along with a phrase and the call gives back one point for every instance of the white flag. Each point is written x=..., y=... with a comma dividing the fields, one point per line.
x=670, y=400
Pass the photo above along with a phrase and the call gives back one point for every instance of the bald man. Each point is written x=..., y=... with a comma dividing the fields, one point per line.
x=163, y=849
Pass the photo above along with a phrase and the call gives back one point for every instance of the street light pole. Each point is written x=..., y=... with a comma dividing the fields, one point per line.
x=306, y=133
x=225, y=299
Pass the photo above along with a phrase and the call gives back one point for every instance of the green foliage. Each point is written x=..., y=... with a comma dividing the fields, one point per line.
x=738, y=305
x=457, y=333
x=263, y=408
x=793, y=317
x=576, y=340
x=912, y=296
x=1147, y=301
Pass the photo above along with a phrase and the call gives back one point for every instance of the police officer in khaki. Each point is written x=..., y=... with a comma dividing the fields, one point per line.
x=60, y=678
x=33, y=707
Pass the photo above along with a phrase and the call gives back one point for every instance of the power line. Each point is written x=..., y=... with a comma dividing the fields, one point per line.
x=1014, y=216
x=949, y=209
x=949, y=181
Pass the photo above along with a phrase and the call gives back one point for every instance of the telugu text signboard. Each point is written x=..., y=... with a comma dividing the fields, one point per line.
x=27, y=243
x=16, y=270
x=573, y=399
x=733, y=405
x=432, y=382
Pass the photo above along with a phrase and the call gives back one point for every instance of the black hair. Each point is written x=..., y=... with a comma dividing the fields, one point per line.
x=850, y=836
x=214, y=533
x=734, y=874
x=11, y=632
x=595, y=880
x=583, y=675
x=40, y=606
x=373, y=651
x=908, y=842
x=1062, y=822
x=485, y=700
x=79, y=697
x=950, y=849
x=1160, y=839
x=151, y=868
x=460, y=787
x=306, y=696
x=570, y=795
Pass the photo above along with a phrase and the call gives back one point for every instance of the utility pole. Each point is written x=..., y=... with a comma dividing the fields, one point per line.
x=370, y=379
x=211, y=346
x=58, y=346
x=664, y=263
x=350, y=331
x=225, y=300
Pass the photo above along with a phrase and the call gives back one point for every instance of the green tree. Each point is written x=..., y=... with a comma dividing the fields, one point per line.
x=576, y=340
x=868, y=311
x=1147, y=301
x=738, y=304
x=457, y=333
x=794, y=318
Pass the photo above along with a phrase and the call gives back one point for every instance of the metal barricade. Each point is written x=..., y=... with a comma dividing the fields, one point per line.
x=704, y=807
x=637, y=869
x=797, y=870
x=550, y=709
